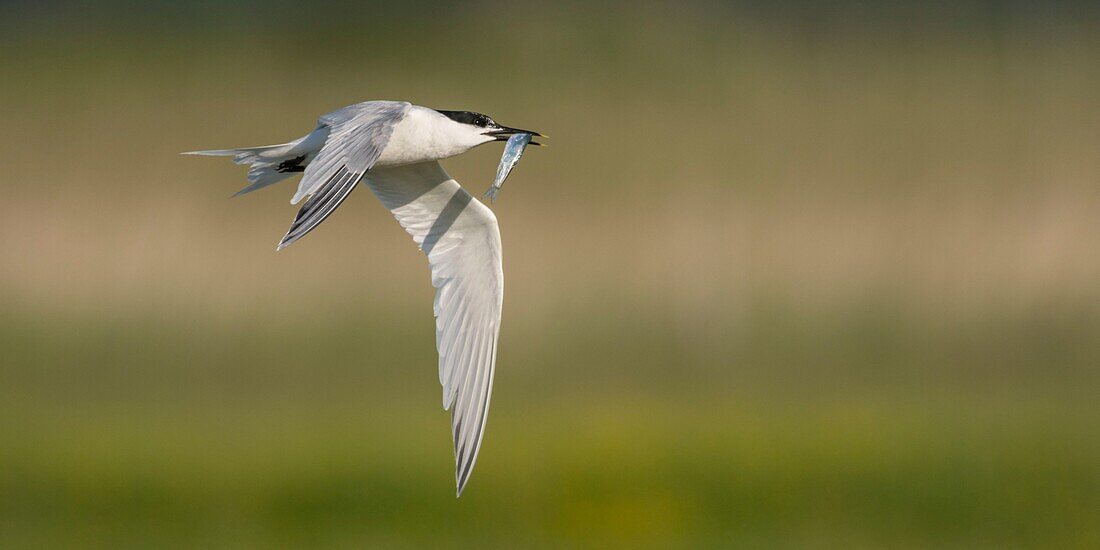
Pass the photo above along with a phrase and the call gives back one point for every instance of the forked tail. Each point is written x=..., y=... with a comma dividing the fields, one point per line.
x=272, y=163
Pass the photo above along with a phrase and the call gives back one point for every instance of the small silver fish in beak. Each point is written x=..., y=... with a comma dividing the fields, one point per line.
x=513, y=150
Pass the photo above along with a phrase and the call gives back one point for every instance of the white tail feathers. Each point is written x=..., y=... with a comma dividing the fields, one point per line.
x=273, y=163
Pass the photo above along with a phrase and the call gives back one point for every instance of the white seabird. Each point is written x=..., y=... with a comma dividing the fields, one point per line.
x=394, y=147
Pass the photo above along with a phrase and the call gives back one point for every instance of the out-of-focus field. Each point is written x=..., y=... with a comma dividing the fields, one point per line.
x=788, y=276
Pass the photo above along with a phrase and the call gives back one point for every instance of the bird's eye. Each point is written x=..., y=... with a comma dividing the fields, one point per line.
x=482, y=121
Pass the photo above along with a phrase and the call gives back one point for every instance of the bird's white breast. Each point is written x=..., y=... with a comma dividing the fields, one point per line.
x=425, y=135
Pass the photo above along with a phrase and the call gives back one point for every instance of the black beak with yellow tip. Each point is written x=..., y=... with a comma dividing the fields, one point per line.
x=504, y=132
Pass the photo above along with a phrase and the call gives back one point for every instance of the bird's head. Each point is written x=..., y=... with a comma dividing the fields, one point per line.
x=479, y=128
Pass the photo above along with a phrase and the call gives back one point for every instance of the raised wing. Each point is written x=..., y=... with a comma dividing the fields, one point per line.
x=357, y=134
x=460, y=237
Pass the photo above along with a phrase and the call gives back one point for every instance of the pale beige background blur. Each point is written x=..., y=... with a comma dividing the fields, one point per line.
x=806, y=274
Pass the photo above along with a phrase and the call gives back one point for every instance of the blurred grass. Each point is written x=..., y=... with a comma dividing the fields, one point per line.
x=797, y=275
x=832, y=474
x=329, y=433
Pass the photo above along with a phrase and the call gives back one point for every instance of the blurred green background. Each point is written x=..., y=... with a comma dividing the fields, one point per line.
x=794, y=274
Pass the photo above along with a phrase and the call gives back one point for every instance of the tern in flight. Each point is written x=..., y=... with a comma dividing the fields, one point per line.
x=393, y=148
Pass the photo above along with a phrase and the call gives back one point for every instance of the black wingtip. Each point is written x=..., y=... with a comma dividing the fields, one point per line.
x=319, y=205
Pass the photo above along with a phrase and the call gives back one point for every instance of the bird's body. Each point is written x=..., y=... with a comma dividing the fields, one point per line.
x=393, y=147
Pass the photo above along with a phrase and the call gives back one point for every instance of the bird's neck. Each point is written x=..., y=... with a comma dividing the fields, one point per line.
x=425, y=135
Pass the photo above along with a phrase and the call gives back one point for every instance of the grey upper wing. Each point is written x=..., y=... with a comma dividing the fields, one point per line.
x=356, y=137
